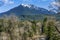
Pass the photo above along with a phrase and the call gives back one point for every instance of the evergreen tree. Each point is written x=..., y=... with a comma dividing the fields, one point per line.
x=44, y=25
x=51, y=30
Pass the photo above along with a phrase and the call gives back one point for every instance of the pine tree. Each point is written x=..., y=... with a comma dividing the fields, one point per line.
x=44, y=26
x=51, y=30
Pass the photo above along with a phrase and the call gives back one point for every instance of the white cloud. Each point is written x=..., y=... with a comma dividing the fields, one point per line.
x=8, y=1
x=56, y=4
x=5, y=1
x=11, y=2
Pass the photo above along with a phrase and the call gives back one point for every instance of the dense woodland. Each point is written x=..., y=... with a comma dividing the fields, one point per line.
x=12, y=28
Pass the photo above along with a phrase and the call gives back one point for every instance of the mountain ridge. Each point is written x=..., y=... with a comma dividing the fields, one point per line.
x=25, y=10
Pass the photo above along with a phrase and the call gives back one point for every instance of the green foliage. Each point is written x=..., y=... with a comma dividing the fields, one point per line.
x=44, y=25
x=34, y=28
x=28, y=29
x=1, y=25
x=45, y=20
x=51, y=30
x=56, y=37
x=24, y=36
x=30, y=33
x=1, y=29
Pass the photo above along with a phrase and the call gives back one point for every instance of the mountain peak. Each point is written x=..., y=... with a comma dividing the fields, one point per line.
x=27, y=9
x=26, y=5
x=30, y=6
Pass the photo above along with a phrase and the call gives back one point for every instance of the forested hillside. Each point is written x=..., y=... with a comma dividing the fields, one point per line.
x=12, y=28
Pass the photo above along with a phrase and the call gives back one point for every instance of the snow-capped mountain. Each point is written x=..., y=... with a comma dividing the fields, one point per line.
x=30, y=6
x=26, y=5
x=27, y=9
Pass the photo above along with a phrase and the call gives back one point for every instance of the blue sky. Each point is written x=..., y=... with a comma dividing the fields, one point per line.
x=6, y=5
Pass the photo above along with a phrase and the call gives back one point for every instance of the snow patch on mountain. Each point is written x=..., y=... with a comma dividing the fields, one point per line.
x=26, y=5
